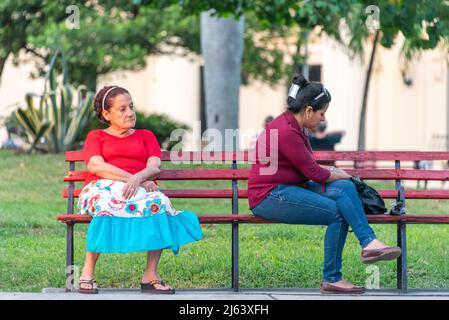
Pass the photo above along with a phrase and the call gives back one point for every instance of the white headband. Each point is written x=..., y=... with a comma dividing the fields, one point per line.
x=324, y=92
x=104, y=97
x=294, y=88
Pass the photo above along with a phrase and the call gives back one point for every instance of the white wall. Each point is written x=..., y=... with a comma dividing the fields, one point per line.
x=14, y=84
x=343, y=77
x=169, y=85
x=406, y=118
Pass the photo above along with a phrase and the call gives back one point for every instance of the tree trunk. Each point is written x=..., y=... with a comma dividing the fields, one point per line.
x=362, y=125
x=447, y=109
x=222, y=48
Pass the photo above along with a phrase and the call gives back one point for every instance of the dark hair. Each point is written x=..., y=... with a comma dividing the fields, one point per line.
x=98, y=107
x=268, y=120
x=309, y=94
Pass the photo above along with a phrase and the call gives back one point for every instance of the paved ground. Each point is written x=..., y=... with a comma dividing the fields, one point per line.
x=311, y=294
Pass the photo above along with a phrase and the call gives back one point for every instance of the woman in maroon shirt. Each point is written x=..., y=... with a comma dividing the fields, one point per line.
x=287, y=185
x=129, y=213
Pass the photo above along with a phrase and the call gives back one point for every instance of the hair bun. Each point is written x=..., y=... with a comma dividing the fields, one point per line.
x=300, y=80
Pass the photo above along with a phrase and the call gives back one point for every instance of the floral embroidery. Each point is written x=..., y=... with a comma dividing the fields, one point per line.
x=97, y=199
x=131, y=208
x=154, y=208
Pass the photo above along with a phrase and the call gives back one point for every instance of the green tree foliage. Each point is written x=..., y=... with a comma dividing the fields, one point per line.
x=115, y=35
x=20, y=19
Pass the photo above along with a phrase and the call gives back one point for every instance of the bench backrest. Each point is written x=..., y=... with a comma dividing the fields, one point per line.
x=228, y=163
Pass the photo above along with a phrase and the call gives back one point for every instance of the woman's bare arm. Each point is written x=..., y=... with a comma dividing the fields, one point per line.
x=151, y=172
x=99, y=167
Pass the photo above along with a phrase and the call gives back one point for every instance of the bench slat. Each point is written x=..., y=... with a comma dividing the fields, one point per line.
x=187, y=193
x=248, y=218
x=199, y=174
x=242, y=174
x=319, y=155
x=243, y=193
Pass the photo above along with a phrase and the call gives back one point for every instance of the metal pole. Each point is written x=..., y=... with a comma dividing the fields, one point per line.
x=235, y=233
x=401, y=274
x=70, y=225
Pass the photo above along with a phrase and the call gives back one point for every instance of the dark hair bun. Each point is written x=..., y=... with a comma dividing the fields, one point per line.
x=306, y=95
x=300, y=80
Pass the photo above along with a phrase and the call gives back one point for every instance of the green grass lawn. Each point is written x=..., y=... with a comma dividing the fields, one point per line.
x=32, y=242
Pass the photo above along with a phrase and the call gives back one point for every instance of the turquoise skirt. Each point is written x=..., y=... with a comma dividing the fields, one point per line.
x=145, y=222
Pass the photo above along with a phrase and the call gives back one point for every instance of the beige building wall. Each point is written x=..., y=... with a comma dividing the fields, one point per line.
x=343, y=77
x=14, y=84
x=399, y=117
x=258, y=101
x=169, y=85
x=408, y=117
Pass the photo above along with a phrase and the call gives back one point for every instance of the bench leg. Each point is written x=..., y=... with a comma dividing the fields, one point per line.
x=402, y=260
x=235, y=257
x=69, y=285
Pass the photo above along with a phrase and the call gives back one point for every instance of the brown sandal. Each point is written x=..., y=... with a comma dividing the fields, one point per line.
x=92, y=284
x=150, y=287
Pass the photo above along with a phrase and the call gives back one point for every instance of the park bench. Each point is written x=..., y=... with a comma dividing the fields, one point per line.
x=229, y=171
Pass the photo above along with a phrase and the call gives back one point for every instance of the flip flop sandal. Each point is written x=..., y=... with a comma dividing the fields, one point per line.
x=150, y=287
x=91, y=283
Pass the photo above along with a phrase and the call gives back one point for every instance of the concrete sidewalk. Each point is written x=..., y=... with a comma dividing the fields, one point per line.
x=246, y=294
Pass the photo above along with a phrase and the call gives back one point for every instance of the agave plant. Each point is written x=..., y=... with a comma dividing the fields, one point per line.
x=62, y=114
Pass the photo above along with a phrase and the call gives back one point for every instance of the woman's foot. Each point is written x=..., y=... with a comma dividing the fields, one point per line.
x=375, y=244
x=88, y=286
x=340, y=287
x=158, y=285
x=377, y=250
x=152, y=287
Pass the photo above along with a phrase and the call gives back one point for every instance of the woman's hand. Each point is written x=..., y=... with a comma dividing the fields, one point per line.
x=343, y=172
x=338, y=174
x=132, y=186
x=150, y=186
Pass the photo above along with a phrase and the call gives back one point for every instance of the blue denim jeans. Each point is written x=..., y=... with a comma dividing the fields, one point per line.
x=338, y=207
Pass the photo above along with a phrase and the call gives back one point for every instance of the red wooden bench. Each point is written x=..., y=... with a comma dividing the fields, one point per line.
x=233, y=174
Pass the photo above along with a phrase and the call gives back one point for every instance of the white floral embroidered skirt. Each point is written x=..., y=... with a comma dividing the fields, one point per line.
x=145, y=222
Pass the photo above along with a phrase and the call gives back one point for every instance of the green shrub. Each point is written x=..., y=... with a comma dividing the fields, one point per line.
x=61, y=113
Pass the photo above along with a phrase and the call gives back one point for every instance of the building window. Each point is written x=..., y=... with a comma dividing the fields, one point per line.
x=314, y=72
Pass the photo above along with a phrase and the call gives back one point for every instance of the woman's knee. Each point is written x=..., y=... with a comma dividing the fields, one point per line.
x=344, y=185
x=337, y=217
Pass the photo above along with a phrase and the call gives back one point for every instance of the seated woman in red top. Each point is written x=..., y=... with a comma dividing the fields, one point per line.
x=129, y=212
x=287, y=185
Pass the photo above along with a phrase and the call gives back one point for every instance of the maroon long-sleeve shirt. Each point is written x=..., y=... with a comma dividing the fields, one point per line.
x=283, y=155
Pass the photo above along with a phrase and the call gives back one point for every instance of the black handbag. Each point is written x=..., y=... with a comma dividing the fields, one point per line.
x=371, y=200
